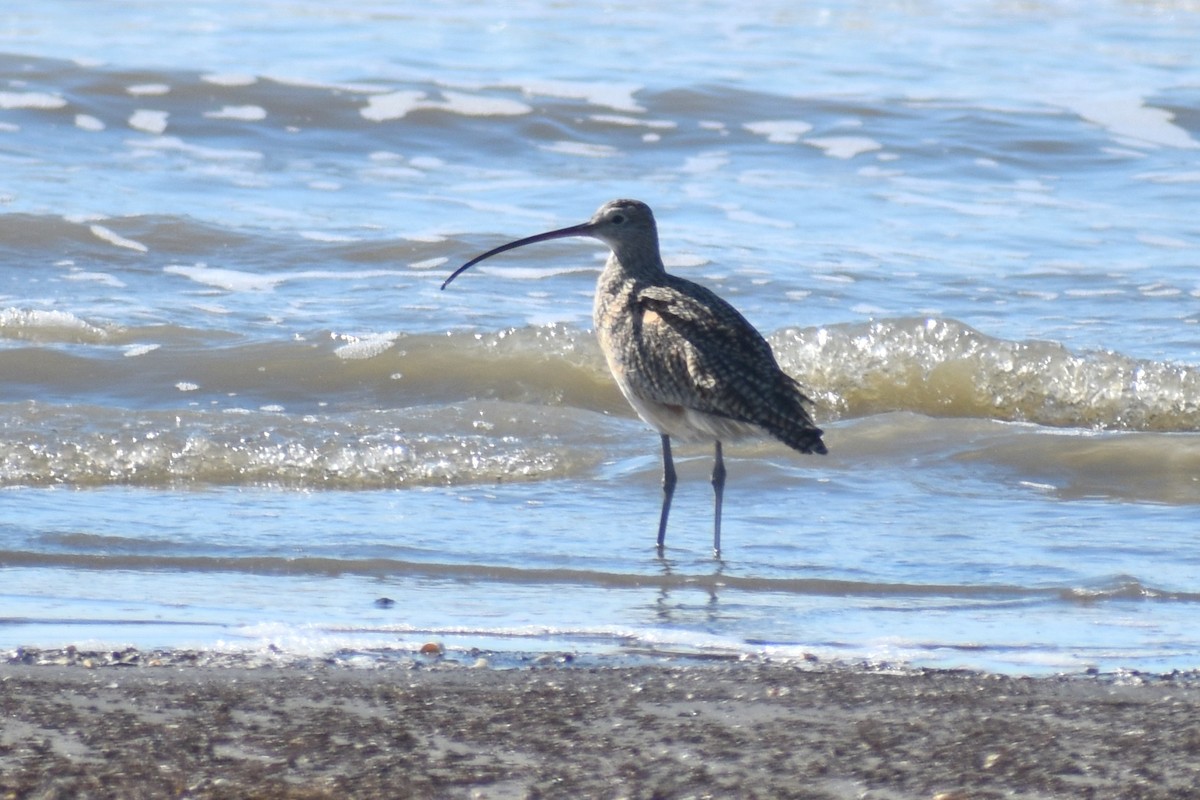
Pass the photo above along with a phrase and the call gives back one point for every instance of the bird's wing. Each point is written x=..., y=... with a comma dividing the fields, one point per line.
x=697, y=351
x=729, y=366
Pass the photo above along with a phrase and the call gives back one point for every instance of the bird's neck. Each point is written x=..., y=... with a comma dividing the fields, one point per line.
x=641, y=265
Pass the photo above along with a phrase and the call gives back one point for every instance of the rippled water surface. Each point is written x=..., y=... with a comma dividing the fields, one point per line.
x=237, y=411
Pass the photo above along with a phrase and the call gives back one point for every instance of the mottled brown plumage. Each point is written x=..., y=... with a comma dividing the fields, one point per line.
x=689, y=364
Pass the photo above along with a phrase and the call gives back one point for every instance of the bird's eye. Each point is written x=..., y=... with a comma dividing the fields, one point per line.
x=617, y=219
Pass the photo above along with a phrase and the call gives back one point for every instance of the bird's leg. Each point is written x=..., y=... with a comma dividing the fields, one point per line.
x=668, y=489
x=718, y=482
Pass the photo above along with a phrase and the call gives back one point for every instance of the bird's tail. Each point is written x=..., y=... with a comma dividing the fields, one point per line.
x=795, y=427
x=806, y=439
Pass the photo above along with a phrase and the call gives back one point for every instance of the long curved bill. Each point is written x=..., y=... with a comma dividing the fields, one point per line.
x=584, y=229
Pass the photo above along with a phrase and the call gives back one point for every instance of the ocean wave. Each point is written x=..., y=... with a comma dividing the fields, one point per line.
x=943, y=367
x=86, y=446
x=88, y=405
x=74, y=554
x=929, y=366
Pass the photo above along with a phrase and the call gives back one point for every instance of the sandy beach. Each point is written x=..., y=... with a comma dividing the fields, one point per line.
x=140, y=725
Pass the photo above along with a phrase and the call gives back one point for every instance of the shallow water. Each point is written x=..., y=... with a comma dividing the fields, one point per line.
x=237, y=410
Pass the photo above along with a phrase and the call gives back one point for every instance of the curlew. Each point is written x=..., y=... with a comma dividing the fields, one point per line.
x=691, y=366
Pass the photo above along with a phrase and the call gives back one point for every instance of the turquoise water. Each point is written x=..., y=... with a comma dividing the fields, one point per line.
x=237, y=411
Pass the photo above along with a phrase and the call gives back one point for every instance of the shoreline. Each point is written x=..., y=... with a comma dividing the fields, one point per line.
x=184, y=727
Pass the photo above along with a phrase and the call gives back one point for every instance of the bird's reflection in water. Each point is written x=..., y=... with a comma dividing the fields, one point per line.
x=678, y=610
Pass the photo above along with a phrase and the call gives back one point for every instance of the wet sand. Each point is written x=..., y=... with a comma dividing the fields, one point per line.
x=136, y=725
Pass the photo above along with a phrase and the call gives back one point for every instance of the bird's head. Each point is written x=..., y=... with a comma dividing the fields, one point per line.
x=626, y=226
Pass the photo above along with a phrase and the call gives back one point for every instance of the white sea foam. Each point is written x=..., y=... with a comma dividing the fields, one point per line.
x=366, y=346
x=779, y=131
x=135, y=350
x=234, y=280
x=635, y=122
x=394, y=105
x=685, y=261
x=87, y=122
x=243, y=113
x=97, y=277
x=229, y=79
x=844, y=146
x=1094, y=292
x=148, y=89
x=35, y=100
x=325, y=236
x=1125, y=115
x=115, y=239
x=587, y=149
x=397, y=105
x=480, y=106
x=615, y=95
x=229, y=279
x=148, y=120
x=429, y=263
x=26, y=322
